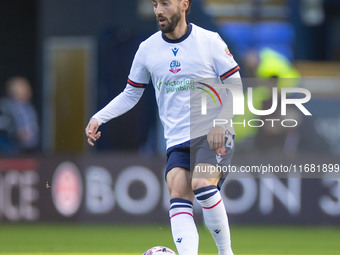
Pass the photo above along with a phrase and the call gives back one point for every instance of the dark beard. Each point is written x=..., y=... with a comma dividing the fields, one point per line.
x=172, y=23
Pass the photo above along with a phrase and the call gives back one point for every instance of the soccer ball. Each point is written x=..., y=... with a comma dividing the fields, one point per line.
x=159, y=250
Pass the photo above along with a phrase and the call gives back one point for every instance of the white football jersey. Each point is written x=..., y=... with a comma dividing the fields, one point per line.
x=174, y=66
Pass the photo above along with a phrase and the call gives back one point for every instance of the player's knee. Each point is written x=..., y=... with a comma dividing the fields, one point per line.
x=198, y=183
x=179, y=194
x=183, y=192
x=179, y=184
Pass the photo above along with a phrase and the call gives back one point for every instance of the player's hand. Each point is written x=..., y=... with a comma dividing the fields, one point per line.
x=91, y=131
x=216, y=138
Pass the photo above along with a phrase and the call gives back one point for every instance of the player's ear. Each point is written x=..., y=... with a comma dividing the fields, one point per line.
x=185, y=5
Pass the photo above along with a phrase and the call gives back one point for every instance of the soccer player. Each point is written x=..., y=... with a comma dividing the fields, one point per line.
x=178, y=53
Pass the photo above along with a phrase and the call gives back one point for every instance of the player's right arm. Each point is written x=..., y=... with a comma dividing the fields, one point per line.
x=91, y=131
x=121, y=104
x=138, y=78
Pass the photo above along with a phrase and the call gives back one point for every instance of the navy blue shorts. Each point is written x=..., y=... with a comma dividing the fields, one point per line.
x=190, y=153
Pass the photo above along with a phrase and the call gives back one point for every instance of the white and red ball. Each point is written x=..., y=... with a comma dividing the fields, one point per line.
x=159, y=250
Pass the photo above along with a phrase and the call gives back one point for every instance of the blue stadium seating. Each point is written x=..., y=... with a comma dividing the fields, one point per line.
x=241, y=36
x=273, y=32
x=238, y=36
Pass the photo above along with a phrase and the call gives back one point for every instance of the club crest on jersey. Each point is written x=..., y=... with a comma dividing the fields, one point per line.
x=175, y=66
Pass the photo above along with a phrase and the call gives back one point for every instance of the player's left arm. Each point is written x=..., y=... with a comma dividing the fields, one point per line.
x=228, y=71
x=216, y=135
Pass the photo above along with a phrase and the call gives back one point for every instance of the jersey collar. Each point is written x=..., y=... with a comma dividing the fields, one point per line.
x=185, y=36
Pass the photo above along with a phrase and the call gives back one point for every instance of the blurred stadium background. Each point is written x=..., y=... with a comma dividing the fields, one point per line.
x=65, y=197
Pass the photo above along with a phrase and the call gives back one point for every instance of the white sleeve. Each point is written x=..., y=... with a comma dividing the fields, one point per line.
x=223, y=61
x=227, y=69
x=226, y=112
x=122, y=103
x=139, y=75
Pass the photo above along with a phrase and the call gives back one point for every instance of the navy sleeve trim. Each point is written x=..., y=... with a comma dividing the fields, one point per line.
x=230, y=72
x=135, y=84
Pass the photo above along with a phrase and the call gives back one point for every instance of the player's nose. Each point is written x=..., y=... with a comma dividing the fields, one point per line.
x=158, y=10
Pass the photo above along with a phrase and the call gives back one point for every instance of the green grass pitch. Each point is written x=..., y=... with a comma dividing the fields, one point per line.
x=72, y=239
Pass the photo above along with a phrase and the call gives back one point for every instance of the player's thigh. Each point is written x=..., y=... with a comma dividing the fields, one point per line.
x=209, y=163
x=204, y=175
x=179, y=184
